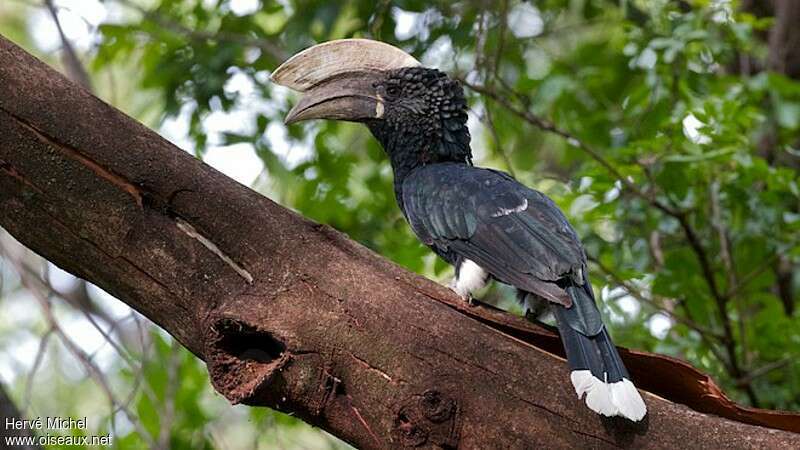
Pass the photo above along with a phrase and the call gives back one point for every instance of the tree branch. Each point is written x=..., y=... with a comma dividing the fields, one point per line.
x=323, y=328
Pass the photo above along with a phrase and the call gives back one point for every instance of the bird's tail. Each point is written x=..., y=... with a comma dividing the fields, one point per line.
x=597, y=370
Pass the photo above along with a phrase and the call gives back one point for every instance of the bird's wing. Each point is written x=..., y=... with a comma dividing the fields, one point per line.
x=515, y=233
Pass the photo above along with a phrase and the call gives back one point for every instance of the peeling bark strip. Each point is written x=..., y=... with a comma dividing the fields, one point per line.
x=102, y=172
x=327, y=330
x=187, y=228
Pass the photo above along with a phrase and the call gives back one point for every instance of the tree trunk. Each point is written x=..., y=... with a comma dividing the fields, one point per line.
x=784, y=38
x=288, y=313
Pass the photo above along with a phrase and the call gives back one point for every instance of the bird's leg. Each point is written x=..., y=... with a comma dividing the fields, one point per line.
x=534, y=307
x=466, y=296
x=469, y=278
x=531, y=304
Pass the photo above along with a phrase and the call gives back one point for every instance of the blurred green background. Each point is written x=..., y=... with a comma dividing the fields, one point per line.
x=668, y=131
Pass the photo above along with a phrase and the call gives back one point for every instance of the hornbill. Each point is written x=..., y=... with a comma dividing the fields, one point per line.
x=482, y=221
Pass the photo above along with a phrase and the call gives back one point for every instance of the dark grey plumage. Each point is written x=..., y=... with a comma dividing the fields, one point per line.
x=481, y=221
x=516, y=234
x=471, y=212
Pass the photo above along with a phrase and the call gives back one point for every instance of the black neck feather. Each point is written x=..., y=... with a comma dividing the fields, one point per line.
x=409, y=149
x=425, y=121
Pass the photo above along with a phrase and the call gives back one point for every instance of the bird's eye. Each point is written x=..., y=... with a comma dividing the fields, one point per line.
x=393, y=91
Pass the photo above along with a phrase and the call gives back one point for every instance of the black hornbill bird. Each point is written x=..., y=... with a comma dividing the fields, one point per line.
x=482, y=221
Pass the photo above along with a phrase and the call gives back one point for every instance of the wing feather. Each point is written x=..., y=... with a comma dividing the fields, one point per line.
x=512, y=231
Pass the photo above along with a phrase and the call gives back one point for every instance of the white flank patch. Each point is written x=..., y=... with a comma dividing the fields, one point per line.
x=471, y=277
x=504, y=212
x=609, y=399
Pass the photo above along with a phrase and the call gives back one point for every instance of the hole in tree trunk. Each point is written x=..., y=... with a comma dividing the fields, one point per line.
x=248, y=344
x=242, y=359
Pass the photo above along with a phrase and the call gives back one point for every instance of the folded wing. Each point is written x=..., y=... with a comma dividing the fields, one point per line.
x=515, y=233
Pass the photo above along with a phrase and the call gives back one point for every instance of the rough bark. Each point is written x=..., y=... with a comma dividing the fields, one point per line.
x=288, y=313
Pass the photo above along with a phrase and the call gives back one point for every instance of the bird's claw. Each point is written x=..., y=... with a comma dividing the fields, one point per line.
x=461, y=292
x=468, y=299
x=466, y=296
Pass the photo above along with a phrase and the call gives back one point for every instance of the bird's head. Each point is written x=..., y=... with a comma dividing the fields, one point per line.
x=418, y=114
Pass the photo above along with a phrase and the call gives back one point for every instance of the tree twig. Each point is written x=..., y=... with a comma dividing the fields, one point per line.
x=269, y=47
x=550, y=127
x=727, y=259
x=34, y=286
x=763, y=370
x=639, y=295
x=72, y=63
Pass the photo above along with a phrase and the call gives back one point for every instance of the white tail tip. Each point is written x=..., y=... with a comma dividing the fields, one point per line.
x=609, y=399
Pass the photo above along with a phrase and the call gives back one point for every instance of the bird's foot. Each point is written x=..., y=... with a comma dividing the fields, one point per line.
x=464, y=294
x=468, y=299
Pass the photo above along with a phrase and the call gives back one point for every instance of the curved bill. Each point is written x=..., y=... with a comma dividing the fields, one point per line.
x=338, y=79
x=350, y=97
